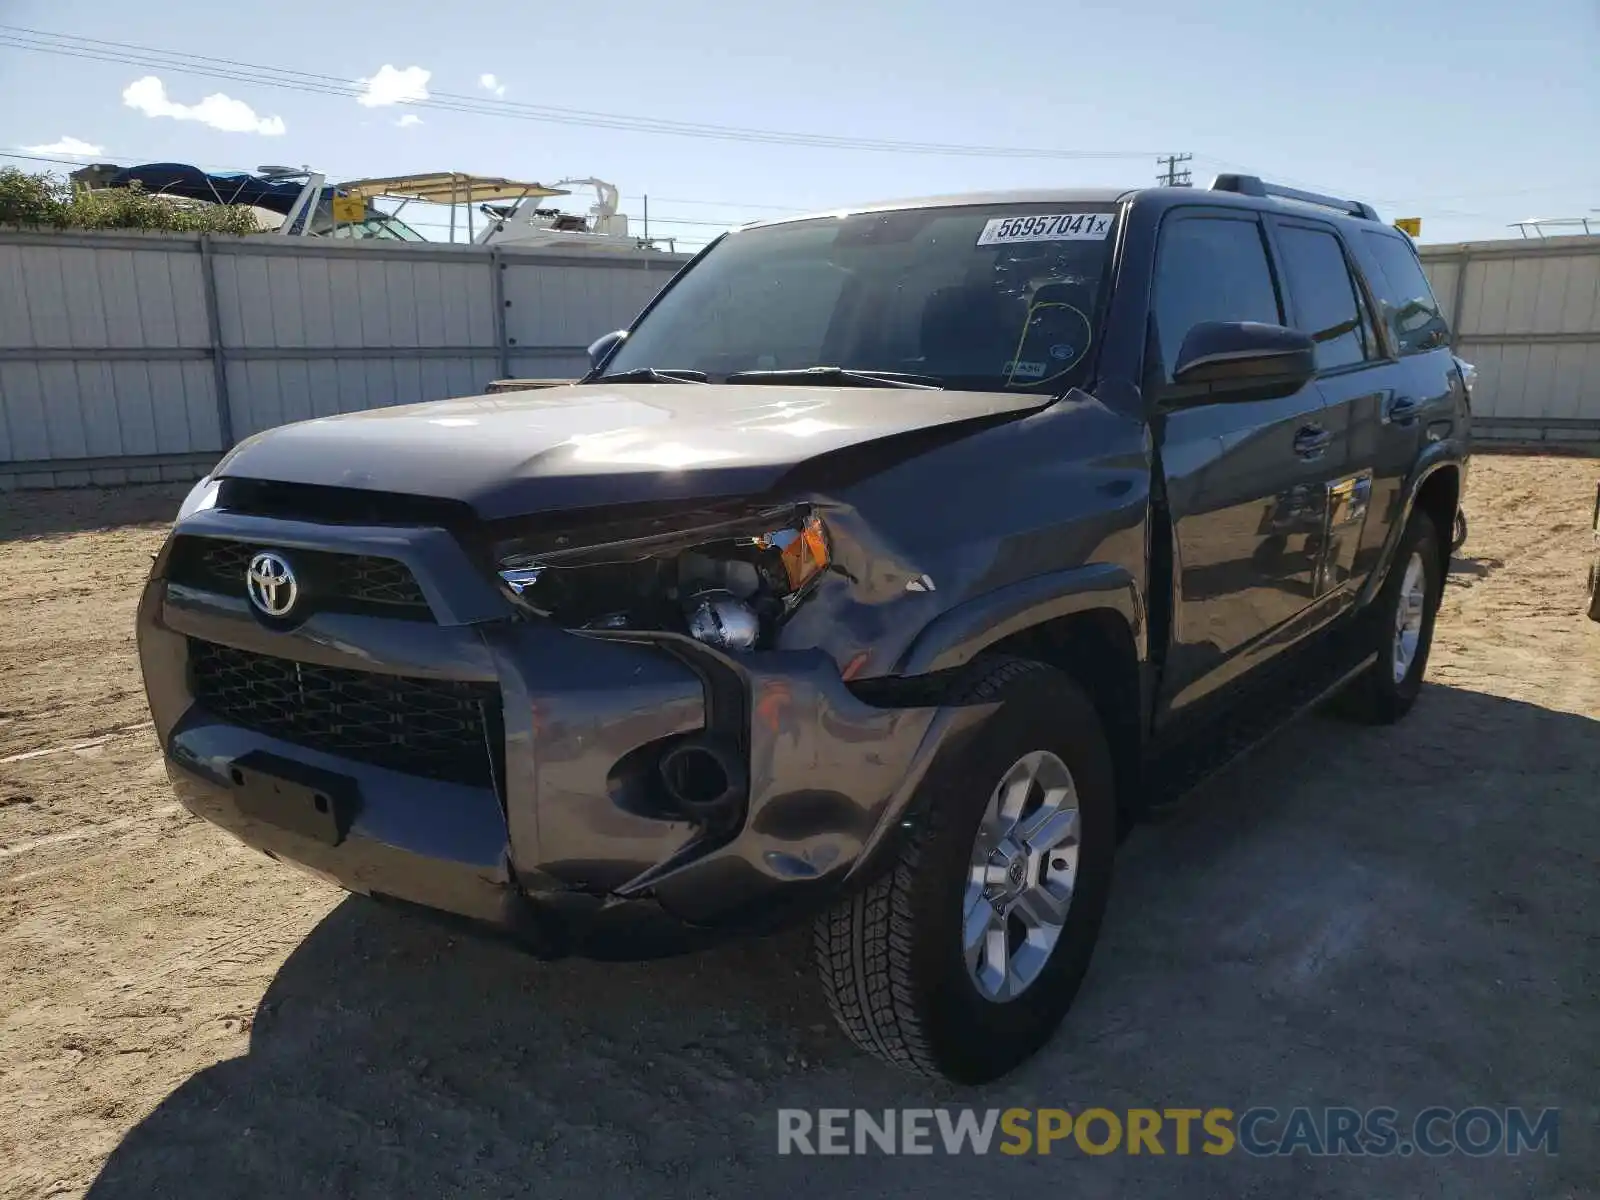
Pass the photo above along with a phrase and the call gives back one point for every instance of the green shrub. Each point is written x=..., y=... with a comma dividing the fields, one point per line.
x=48, y=200
x=29, y=199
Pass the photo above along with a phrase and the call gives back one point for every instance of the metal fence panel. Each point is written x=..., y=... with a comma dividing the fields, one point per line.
x=130, y=356
x=555, y=303
x=1529, y=320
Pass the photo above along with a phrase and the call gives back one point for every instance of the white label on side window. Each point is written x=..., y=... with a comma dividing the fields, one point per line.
x=1047, y=227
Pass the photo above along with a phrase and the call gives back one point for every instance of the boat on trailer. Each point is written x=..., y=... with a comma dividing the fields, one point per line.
x=492, y=211
x=485, y=210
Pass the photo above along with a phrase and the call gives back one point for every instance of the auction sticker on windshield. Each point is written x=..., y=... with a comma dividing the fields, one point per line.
x=1047, y=227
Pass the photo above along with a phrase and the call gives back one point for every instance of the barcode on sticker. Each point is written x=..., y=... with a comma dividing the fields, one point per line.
x=1047, y=227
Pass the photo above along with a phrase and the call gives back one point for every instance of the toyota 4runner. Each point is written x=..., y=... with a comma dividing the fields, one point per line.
x=890, y=565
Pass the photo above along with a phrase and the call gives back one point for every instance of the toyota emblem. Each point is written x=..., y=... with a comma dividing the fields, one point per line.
x=271, y=583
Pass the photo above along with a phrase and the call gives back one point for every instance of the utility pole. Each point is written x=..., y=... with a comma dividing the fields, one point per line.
x=1172, y=177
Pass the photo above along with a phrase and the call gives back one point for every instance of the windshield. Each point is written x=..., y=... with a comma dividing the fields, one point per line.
x=984, y=298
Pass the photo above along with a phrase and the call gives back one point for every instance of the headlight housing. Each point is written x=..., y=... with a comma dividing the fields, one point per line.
x=726, y=579
x=201, y=497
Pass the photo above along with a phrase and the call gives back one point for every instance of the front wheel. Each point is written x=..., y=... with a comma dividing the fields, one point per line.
x=963, y=958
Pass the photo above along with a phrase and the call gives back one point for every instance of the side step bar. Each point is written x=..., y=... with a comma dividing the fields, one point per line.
x=1224, y=742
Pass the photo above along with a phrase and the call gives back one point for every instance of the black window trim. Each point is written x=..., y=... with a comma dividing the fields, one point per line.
x=1154, y=373
x=1388, y=353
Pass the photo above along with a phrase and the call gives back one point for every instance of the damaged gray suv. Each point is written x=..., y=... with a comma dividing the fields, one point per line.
x=891, y=565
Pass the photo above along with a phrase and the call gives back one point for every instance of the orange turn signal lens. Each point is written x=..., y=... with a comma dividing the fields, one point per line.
x=807, y=554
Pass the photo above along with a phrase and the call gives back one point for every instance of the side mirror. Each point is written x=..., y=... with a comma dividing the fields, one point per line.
x=600, y=349
x=1242, y=360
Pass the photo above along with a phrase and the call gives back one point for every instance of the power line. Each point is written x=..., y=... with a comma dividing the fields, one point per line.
x=67, y=162
x=233, y=70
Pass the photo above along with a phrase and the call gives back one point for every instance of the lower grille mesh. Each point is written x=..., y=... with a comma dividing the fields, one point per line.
x=441, y=729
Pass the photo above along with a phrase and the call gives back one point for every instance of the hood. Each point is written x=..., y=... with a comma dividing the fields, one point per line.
x=585, y=446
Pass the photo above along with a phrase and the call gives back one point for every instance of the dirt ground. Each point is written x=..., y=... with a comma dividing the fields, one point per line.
x=1405, y=917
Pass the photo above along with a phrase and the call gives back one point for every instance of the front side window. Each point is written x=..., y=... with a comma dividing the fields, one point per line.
x=981, y=297
x=1326, y=303
x=1210, y=269
x=1409, y=307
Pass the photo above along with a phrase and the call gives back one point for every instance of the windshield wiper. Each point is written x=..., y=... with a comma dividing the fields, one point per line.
x=653, y=375
x=839, y=377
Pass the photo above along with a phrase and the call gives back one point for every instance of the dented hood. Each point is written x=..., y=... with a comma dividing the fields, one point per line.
x=582, y=446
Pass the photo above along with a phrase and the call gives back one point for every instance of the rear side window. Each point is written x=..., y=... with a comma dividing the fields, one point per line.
x=1326, y=302
x=1210, y=269
x=1409, y=307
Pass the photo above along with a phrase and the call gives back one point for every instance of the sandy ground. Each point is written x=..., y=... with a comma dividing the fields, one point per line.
x=1404, y=916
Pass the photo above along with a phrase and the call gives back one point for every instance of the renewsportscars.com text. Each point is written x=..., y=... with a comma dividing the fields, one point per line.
x=1260, y=1131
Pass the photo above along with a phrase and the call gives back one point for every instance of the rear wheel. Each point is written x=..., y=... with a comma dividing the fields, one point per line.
x=1402, y=624
x=963, y=958
x=1594, y=564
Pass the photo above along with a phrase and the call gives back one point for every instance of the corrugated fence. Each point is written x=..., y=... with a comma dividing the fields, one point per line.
x=1526, y=313
x=129, y=357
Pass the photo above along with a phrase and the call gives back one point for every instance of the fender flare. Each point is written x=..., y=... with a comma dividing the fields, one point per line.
x=1440, y=456
x=958, y=634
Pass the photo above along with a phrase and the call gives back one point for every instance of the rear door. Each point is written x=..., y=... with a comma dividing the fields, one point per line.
x=1246, y=482
x=1359, y=380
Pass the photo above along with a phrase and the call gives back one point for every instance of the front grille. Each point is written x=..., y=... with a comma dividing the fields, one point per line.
x=440, y=729
x=329, y=582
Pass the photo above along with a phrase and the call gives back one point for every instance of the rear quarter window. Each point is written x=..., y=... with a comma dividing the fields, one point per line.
x=1409, y=307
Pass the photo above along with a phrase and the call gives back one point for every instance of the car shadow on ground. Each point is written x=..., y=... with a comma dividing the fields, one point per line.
x=52, y=513
x=1401, y=916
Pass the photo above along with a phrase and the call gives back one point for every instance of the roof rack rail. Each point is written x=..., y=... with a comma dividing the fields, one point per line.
x=1251, y=185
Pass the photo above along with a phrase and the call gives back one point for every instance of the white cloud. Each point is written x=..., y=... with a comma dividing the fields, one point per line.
x=407, y=121
x=67, y=145
x=149, y=96
x=394, y=86
x=491, y=84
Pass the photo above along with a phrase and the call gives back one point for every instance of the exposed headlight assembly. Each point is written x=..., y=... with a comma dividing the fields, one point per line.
x=201, y=497
x=728, y=581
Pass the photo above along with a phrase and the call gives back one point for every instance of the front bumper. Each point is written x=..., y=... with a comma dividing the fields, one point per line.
x=571, y=847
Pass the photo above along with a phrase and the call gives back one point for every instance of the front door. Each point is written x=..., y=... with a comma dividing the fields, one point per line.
x=1247, y=483
x=1360, y=381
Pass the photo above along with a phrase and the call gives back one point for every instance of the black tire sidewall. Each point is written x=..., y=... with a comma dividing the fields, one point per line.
x=1420, y=536
x=973, y=1038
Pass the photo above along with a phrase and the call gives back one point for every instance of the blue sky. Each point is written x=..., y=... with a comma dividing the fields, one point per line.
x=1468, y=113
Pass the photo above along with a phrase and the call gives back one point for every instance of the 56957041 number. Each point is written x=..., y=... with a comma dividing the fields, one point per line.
x=1047, y=227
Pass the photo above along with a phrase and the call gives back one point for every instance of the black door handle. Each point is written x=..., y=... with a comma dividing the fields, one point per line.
x=1403, y=410
x=1311, y=441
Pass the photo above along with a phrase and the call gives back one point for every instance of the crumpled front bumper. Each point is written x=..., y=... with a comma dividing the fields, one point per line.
x=572, y=848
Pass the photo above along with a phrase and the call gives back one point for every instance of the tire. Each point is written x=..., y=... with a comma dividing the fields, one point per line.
x=891, y=956
x=1379, y=697
x=1458, y=535
x=1594, y=562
